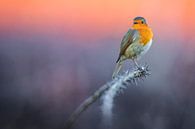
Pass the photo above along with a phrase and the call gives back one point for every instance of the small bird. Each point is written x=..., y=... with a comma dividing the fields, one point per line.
x=135, y=43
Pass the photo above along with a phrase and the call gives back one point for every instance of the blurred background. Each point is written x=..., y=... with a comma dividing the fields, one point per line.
x=56, y=53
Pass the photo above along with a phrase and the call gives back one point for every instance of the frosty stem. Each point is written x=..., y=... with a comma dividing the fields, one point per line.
x=121, y=82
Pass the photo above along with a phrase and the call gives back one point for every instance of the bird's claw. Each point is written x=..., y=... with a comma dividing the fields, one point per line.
x=140, y=68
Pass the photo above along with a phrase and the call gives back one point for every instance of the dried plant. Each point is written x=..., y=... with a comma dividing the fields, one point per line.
x=108, y=92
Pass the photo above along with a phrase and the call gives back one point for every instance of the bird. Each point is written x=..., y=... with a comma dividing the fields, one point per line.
x=136, y=42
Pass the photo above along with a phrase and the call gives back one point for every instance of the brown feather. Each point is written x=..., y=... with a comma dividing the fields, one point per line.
x=127, y=40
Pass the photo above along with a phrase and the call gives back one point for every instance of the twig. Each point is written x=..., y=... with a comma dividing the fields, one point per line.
x=121, y=82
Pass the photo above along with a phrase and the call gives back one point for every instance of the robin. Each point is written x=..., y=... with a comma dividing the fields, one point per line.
x=135, y=43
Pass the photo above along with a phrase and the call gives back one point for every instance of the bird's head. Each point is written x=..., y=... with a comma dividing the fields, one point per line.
x=139, y=21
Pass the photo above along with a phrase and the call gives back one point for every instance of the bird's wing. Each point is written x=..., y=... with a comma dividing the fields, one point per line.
x=130, y=37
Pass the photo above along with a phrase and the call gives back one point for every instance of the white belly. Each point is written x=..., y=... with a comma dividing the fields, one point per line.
x=136, y=50
x=146, y=48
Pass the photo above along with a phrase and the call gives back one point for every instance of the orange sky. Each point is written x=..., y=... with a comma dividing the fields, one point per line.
x=84, y=18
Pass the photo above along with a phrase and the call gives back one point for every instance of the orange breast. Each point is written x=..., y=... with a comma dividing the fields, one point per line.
x=145, y=34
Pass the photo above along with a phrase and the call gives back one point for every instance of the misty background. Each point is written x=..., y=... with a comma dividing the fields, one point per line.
x=48, y=68
x=44, y=78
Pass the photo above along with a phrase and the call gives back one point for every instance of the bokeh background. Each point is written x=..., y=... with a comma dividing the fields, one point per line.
x=55, y=53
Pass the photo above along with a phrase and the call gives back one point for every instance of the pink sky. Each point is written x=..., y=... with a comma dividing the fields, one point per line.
x=85, y=19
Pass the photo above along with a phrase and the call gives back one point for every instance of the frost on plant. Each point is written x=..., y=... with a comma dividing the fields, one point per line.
x=116, y=86
x=107, y=92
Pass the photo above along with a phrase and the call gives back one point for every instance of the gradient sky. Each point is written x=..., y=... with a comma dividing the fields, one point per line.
x=43, y=71
x=86, y=19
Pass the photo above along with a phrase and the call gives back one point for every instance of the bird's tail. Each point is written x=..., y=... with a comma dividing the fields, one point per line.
x=117, y=69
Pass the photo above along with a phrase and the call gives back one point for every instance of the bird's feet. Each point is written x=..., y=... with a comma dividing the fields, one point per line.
x=143, y=68
x=139, y=67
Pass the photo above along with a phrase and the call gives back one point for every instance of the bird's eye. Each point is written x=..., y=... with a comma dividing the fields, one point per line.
x=135, y=22
x=142, y=22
